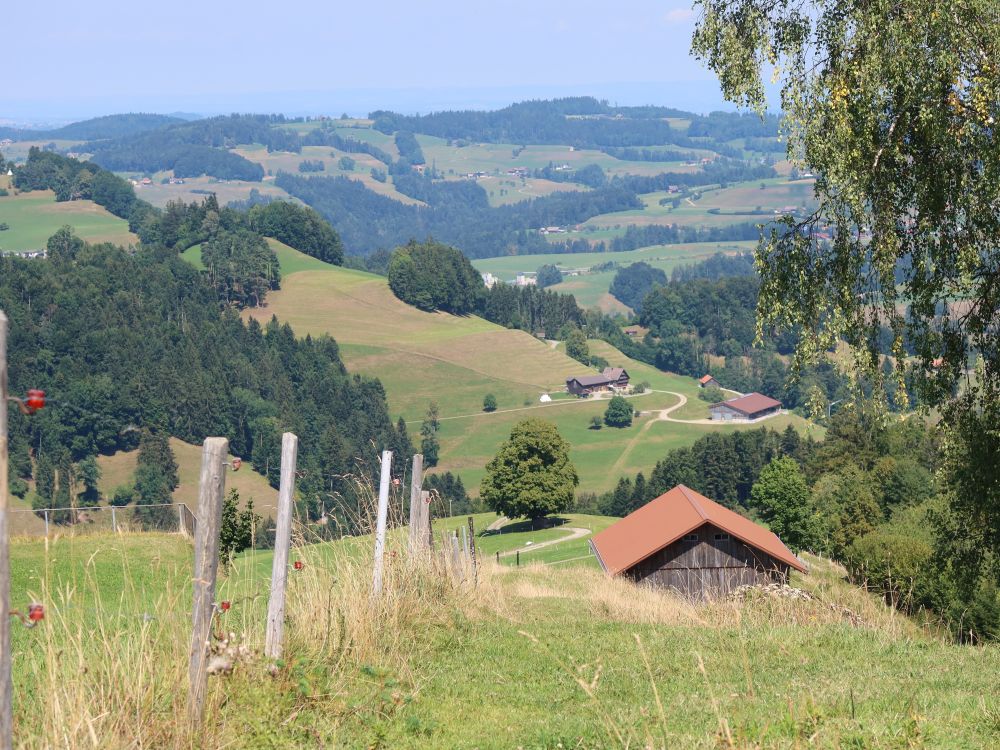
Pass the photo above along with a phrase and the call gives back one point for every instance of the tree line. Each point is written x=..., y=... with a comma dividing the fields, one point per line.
x=130, y=341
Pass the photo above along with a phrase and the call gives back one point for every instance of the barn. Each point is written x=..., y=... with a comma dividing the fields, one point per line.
x=685, y=542
x=618, y=376
x=747, y=408
x=584, y=385
x=707, y=381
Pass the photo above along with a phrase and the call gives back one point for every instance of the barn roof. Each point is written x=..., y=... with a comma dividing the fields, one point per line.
x=614, y=373
x=589, y=380
x=705, y=378
x=666, y=519
x=751, y=403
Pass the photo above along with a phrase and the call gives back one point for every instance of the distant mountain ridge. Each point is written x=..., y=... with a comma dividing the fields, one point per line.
x=97, y=128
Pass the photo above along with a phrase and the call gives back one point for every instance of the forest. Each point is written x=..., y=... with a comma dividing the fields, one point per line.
x=118, y=339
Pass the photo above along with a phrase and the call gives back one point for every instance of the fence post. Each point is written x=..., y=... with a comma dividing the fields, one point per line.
x=180, y=518
x=212, y=485
x=6, y=685
x=114, y=520
x=427, y=536
x=472, y=548
x=416, y=500
x=383, y=511
x=282, y=541
x=46, y=524
x=517, y=558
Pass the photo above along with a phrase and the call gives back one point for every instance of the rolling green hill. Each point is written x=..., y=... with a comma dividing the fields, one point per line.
x=455, y=361
x=35, y=216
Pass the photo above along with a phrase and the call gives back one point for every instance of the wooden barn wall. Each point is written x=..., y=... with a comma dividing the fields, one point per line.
x=708, y=567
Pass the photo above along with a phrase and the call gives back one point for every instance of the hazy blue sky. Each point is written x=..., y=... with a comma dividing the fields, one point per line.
x=309, y=56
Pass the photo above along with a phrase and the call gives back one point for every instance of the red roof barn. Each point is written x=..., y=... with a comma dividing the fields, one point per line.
x=750, y=407
x=686, y=542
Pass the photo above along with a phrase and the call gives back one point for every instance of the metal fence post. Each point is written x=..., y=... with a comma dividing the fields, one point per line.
x=416, y=501
x=46, y=524
x=114, y=520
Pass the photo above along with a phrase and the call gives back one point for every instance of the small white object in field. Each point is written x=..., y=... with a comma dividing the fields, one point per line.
x=545, y=398
x=526, y=544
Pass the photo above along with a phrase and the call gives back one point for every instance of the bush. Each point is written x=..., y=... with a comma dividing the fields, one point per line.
x=596, y=423
x=490, y=402
x=713, y=394
x=641, y=387
x=619, y=413
x=18, y=487
x=122, y=496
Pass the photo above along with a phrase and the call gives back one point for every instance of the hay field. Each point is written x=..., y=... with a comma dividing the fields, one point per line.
x=119, y=470
x=35, y=216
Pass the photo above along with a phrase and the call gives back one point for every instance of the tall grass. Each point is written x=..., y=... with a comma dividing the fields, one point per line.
x=109, y=670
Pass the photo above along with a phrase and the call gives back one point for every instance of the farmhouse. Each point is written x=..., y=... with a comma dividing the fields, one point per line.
x=747, y=408
x=685, y=542
x=617, y=376
x=584, y=385
x=707, y=381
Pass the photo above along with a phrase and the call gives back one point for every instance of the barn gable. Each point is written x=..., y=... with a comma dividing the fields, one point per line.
x=685, y=541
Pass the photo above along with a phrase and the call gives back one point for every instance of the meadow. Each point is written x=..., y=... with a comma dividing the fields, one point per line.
x=534, y=656
x=456, y=360
x=591, y=288
x=35, y=216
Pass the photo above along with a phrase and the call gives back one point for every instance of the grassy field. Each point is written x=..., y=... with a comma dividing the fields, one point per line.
x=421, y=357
x=591, y=289
x=119, y=470
x=34, y=217
x=196, y=189
x=532, y=657
x=491, y=157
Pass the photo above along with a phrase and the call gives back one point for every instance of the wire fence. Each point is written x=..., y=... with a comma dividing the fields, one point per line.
x=168, y=517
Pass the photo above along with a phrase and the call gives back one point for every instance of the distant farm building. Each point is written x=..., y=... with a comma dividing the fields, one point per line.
x=584, y=385
x=747, y=408
x=707, y=381
x=612, y=379
x=617, y=376
x=524, y=279
x=692, y=545
x=489, y=280
x=635, y=331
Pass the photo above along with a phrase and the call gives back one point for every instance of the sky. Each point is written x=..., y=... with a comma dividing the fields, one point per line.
x=329, y=57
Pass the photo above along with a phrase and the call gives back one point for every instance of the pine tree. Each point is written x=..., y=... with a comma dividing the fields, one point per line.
x=429, y=444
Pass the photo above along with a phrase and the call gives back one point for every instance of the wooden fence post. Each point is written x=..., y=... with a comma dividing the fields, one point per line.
x=416, y=501
x=427, y=526
x=212, y=486
x=472, y=548
x=282, y=542
x=6, y=686
x=383, y=511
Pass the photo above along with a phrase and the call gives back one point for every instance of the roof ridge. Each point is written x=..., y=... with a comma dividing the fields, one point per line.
x=694, y=501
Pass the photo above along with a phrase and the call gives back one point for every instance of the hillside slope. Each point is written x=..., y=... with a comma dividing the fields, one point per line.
x=455, y=361
x=35, y=216
x=532, y=657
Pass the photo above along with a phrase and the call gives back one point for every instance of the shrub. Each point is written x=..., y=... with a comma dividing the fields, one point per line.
x=122, y=496
x=713, y=394
x=18, y=487
x=490, y=402
x=619, y=413
x=596, y=423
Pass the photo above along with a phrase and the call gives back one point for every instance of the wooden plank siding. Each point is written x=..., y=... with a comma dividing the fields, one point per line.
x=708, y=567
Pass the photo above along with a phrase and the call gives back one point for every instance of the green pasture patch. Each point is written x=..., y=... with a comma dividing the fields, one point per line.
x=35, y=216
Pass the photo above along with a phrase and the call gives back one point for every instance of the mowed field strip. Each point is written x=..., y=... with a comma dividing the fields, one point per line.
x=35, y=216
x=421, y=357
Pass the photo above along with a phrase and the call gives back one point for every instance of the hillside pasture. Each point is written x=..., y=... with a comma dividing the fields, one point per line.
x=499, y=157
x=196, y=189
x=419, y=356
x=119, y=470
x=591, y=289
x=455, y=361
x=577, y=659
x=35, y=216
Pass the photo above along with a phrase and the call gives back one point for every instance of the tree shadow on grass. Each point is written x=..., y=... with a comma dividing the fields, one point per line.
x=549, y=522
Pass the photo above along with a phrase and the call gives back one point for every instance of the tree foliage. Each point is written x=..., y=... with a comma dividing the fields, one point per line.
x=632, y=283
x=531, y=475
x=895, y=107
x=432, y=276
x=619, y=412
x=238, y=527
x=781, y=496
x=547, y=275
